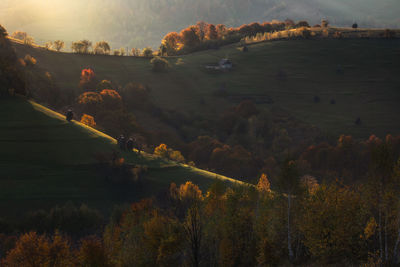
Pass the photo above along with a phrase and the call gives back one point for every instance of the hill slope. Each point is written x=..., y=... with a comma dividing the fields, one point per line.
x=45, y=161
x=360, y=75
x=136, y=23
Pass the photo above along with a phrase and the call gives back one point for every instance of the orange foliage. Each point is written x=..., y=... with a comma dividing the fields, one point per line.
x=211, y=32
x=88, y=120
x=88, y=80
x=171, y=42
x=32, y=249
x=90, y=98
x=111, y=99
x=189, y=36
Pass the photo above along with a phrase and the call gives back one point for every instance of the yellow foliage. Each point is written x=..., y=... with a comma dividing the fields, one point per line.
x=370, y=228
x=190, y=191
x=161, y=151
x=264, y=184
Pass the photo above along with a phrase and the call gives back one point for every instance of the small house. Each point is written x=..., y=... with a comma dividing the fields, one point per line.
x=225, y=64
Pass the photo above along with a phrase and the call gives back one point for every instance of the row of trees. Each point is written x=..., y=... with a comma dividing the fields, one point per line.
x=103, y=48
x=204, y=35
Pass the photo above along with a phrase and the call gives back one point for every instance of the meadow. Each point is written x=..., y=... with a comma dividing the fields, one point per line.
x=46, y=161
x=359, y=75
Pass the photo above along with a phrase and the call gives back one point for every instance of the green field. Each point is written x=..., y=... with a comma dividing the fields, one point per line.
x=45, y=161
x=367, y=87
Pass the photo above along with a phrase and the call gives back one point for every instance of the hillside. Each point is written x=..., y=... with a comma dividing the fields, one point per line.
x=361, y=76
x=45, y=161
x=141, y=23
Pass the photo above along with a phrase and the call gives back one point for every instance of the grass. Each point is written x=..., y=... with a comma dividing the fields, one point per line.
x=368, y=87
x=46, y=161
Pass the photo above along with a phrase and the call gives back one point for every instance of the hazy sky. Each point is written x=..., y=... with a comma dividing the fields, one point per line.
x=144, y=22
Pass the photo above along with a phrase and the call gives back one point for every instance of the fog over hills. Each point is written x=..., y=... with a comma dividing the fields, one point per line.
x=139, y=23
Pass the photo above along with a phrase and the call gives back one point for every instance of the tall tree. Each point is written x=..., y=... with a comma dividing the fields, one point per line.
x=194, y=233
x=289, y=183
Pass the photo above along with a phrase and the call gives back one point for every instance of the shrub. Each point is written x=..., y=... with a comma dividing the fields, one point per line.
x=147, y=52
x=163, y=151
x=30, y=61
x=88, y=120
x=354, y=26
x=159, y=64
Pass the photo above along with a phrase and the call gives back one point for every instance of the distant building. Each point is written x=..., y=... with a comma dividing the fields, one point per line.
x=223, y=64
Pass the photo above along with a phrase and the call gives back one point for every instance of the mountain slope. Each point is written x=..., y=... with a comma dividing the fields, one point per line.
x=360, y=75
x=45, y=161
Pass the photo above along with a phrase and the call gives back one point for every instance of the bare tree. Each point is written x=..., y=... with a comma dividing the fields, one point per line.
x=194, y=233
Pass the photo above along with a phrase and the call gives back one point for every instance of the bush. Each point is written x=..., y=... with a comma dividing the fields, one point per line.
x=147, y=52
x=159, y=64
x=30, y=61
x=88, y=120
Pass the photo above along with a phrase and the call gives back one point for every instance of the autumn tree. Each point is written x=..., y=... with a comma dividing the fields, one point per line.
x=88, y=80
x=147, y=52
x=334, y=224
x=32, y=249
x=104, y=84
x=81, y=47
x=111, y=99
x=163, y=151
x=201, y=28
x=88, y=120
x=171, y=43
x=263, y=184
x=381, y=185
x=194, y=233
x=221, y=30
x=211, y=32
x=58, y=45
x=23, y=36
x=102, y=48
x=189, y=37
x=136, y=96
x=90, y=102
x=289, y=185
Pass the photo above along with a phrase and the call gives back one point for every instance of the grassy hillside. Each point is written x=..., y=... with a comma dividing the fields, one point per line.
x=360, y=75
x=44, y=161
